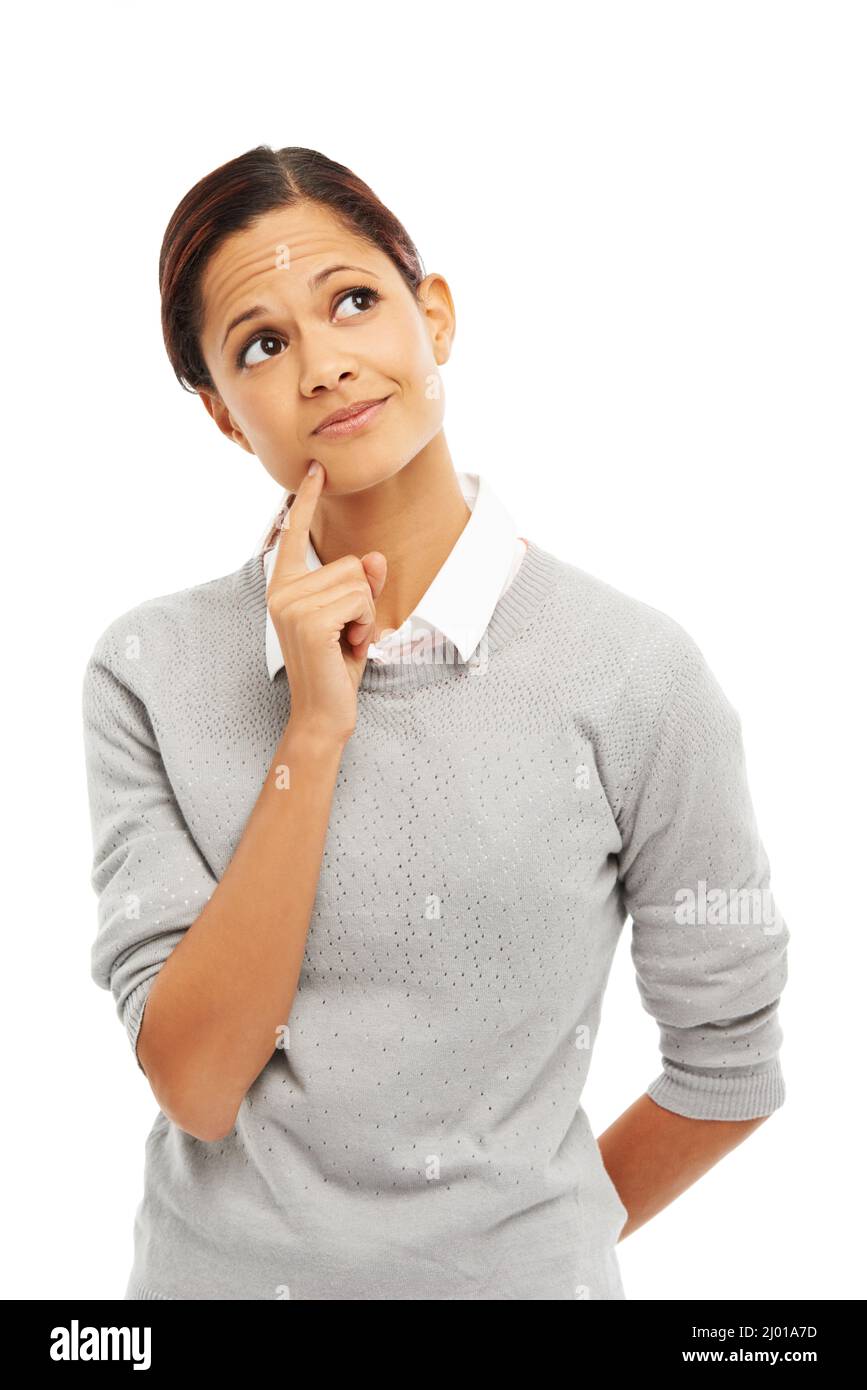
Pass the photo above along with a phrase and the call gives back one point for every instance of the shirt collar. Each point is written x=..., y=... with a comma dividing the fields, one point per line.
x=459, y=602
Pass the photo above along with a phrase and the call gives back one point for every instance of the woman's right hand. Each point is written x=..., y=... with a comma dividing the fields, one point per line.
x=311, y=608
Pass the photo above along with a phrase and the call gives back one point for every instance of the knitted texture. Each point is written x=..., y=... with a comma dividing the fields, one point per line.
x=420, y=1135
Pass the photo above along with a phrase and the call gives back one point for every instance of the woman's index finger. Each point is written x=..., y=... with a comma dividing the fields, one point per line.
x=291, y=557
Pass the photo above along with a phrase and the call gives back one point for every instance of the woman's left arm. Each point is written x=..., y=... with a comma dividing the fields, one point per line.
x=708, y=944
x=652, y=1155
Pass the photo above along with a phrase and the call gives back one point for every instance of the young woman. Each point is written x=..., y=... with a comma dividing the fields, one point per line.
x=370, y=812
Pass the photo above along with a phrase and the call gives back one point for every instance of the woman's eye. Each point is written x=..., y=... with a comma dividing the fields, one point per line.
x=364, y=292
x=243, y=359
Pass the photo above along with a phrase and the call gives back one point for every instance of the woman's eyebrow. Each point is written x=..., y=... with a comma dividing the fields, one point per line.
x=313, y=284
x=250, y=313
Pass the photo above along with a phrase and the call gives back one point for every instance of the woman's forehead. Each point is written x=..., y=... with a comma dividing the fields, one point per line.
x=300, y=242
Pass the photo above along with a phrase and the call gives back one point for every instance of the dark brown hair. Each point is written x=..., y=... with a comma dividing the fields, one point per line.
x=231, y=198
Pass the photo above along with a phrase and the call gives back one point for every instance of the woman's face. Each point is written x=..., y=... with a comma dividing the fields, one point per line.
x=318, y=343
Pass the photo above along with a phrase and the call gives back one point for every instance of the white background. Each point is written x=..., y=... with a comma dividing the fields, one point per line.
x=652, y=219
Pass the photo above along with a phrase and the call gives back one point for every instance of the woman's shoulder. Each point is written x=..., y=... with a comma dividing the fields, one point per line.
x=634, y=672
x=617, y=624
x=169, y=627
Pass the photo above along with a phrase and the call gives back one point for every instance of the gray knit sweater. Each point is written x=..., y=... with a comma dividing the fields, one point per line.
x=420, y=1135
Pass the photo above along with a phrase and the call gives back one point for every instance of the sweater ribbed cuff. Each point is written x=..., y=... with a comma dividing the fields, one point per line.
x=711, y=1095
x=133, y=1012
x=136, y=1291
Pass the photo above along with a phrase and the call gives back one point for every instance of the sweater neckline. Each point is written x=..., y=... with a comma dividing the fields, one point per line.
x=537, y=574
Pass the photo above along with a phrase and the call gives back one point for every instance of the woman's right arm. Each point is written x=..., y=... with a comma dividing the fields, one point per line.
x=214, y=1012
x=218, y=1006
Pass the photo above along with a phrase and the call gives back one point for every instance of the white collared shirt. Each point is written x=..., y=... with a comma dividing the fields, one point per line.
x=458, y=604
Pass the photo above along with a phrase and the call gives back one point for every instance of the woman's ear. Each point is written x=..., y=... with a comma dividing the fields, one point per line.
x=216, y=408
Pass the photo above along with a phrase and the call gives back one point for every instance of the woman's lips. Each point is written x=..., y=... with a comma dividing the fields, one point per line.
x=354, y=423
